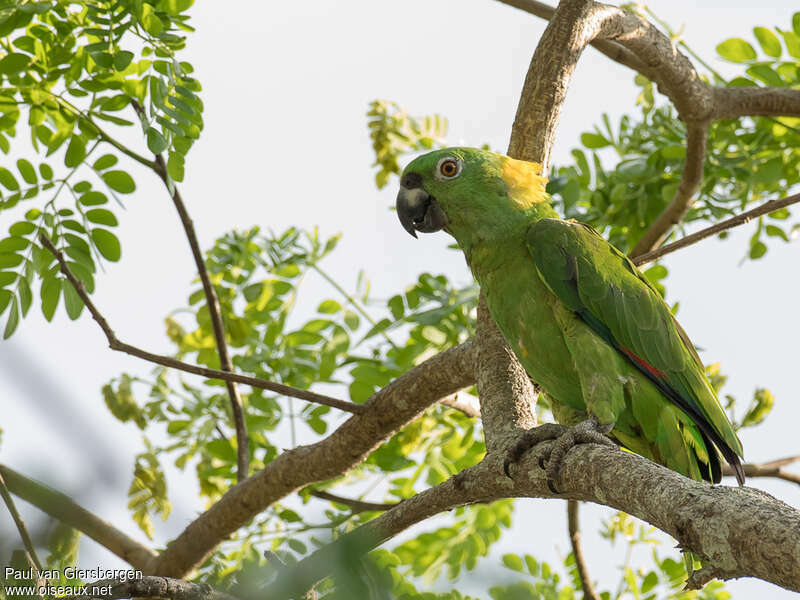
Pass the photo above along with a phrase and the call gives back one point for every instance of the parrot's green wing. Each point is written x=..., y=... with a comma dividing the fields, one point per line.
x=603, y=287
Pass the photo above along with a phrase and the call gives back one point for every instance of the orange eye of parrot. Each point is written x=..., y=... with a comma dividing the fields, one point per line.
x=449, y=168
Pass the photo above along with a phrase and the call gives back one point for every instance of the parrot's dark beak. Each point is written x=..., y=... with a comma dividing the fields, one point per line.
x=417, y=209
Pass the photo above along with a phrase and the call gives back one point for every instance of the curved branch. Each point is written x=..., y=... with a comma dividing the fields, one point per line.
x=767, y=207
x=63, y=508
x=691, y=178
x=385, y=412
x=149, y=587
x=167, y=361
x=738, y=531
x=573, y=526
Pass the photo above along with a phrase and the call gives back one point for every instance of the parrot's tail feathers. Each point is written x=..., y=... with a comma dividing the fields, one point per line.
x=713, y=473
x=736, y=464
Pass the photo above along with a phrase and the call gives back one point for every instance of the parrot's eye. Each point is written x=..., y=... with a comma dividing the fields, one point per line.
x=448, y=168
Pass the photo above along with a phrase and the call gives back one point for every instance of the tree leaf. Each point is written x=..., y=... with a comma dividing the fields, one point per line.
x=76, y=152
x=13, y=319
x=72, y=302
x=594, y=140
x=175, y=166
x=107, y=244
x=8, y=180
x=736, y=50
x=101, y=216
x=155, y=141
x=27, y=171
x=50, y=292
x=119, y=181
x=769, y=42
x=105, y=162
x=13, y=63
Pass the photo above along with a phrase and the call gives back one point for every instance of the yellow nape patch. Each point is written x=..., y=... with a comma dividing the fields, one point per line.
x=524, y=180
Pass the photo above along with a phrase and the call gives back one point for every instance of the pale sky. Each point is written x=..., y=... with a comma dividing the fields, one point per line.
x=286, y=88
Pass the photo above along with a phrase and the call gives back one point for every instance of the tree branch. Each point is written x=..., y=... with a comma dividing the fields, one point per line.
x=357, y=506
x=715, y=522
x=573, y=526
x=464, y=403
x=149, y=587
x=21, y=528
x=385, y=412
x=573, y=25
x=767, y=207
x=506, y=393
x=115, y=344
x=631, y=41
x=735, y=102
x=242, y=439
x=63, y=508
x=691, y=178
x=772, y=468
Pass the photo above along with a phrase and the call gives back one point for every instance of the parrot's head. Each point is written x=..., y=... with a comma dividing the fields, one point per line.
x=464, y=191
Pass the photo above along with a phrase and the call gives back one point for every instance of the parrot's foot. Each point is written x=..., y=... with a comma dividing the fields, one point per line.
x=529, y=439
x=586, y=432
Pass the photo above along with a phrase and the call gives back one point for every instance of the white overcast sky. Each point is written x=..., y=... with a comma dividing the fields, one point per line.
x=286, y=86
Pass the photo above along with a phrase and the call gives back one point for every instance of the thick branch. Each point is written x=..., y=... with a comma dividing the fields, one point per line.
x=385, y=412
x=573, y=25
x=741, y=219
x=506, y=393
x=738, y=531
x=149, y=587
x=691, y=178
x=573, y=526
x=168, y=361
x=735, y=102
x=457, y=491
x=63, y=508
x=611, y=49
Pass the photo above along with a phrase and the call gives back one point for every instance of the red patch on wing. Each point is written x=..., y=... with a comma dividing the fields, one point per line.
x=642, y=363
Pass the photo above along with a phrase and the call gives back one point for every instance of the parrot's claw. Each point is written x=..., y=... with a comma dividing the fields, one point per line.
x=529, y=439
x=586, y=432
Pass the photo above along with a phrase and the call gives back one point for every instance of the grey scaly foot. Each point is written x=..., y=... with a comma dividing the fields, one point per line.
x=542, y=433
x=587, y=432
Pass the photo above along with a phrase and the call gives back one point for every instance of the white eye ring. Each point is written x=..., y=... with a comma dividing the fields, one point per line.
x=438, y=174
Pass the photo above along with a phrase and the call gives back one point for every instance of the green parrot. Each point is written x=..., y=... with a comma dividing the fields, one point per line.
x=585, y=323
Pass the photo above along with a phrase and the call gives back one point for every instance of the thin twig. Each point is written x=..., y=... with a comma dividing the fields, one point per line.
x=589, y=592
x=741, y=219
x=691, y=178
x=23, y=530
x=357, y=506
x=167, y=361
x=66, y=510
x=771, y=468
x=242, y=438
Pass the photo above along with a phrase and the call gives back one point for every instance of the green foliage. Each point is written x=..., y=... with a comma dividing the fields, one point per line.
x=748, y=160
x=148, y=491
x=72, y=75
x=394, y=133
